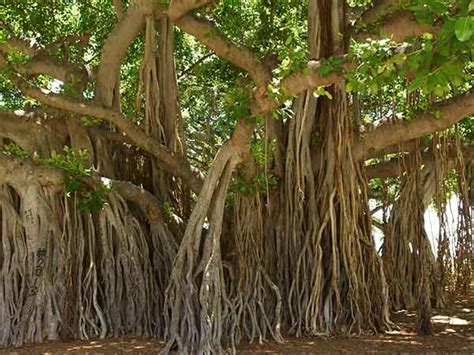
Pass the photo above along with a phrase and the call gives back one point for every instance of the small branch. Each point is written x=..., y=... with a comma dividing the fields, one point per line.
x=199, y=61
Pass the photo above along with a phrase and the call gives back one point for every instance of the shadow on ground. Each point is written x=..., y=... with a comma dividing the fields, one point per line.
x=453, y=334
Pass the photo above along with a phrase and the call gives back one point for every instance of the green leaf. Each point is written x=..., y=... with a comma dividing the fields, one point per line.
x=320, y=91
x=439, y=90
x=416, y=83
x=399, y=58
x=464, y=28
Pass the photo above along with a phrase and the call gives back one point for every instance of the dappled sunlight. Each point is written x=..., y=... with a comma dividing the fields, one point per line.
x=449, y=320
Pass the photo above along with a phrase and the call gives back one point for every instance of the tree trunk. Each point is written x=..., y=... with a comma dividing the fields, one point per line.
x=329, y=265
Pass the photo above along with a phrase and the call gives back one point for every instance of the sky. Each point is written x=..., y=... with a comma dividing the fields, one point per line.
x=431, y=224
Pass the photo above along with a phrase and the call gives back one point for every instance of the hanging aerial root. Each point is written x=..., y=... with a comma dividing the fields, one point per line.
x=256, y=300
x=195, y=316
x=408, y=257
x=332, y=262
x=73, y=274
x=464, y=254
x=443, y=275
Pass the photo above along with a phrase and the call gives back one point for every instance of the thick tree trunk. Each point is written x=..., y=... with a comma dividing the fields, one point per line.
x=329, y=261
x=196, y=296
x=66, y=272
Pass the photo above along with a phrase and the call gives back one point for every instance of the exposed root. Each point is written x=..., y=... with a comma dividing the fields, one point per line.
x=256, y=300
x=195, y=298
x=67, y=273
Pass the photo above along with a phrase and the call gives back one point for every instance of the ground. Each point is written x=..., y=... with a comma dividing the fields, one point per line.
x=453, y=333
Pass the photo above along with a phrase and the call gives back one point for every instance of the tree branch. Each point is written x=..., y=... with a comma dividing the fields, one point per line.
x=242, y=57
x=300, y=81
x=19, y=44
x=148, y=203
x=392, y=168
x=390, y=18
x=398, y=27
x=55, y=68
x=196, y=63
x=379, y=10
x=41, y=62
x=297, y=82
x=118, y=9
x=16, y=172
x=28, y=130
x=114, y=50
x=451, y=111
x=178, y=8
x=175, y=165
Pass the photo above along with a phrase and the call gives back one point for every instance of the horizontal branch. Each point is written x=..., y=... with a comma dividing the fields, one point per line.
x=398, y=27
x=175, y=165
x=390, y=18
x=19, y=44
x=18, y=172
x=145, y=200
x=41, y=62
x=29, y=129
x=441, y=116
x=379, y=10
x=310, y=79
x=402, y=25
x=297, y=82
x=393, y=168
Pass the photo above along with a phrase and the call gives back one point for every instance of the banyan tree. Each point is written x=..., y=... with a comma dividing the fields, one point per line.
x=205, y=171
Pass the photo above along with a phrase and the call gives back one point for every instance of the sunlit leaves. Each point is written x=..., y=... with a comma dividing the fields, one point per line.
x=464, y=28
x=428, y=11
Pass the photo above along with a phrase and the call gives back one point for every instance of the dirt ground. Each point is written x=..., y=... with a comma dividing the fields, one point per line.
x=454, y=334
